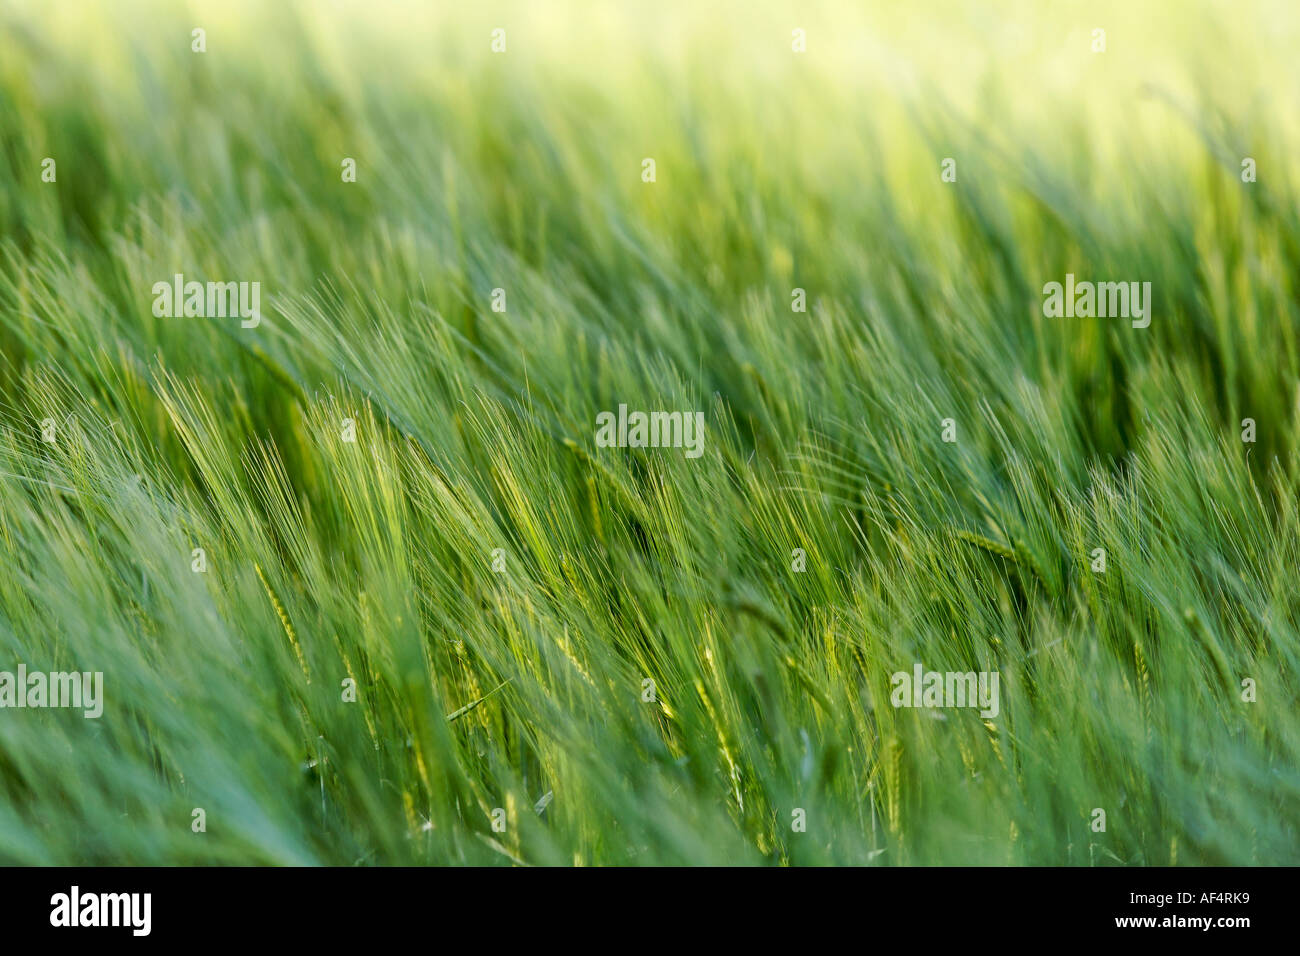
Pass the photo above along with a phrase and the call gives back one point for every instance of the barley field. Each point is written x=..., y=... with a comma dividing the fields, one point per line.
x=324, y=334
